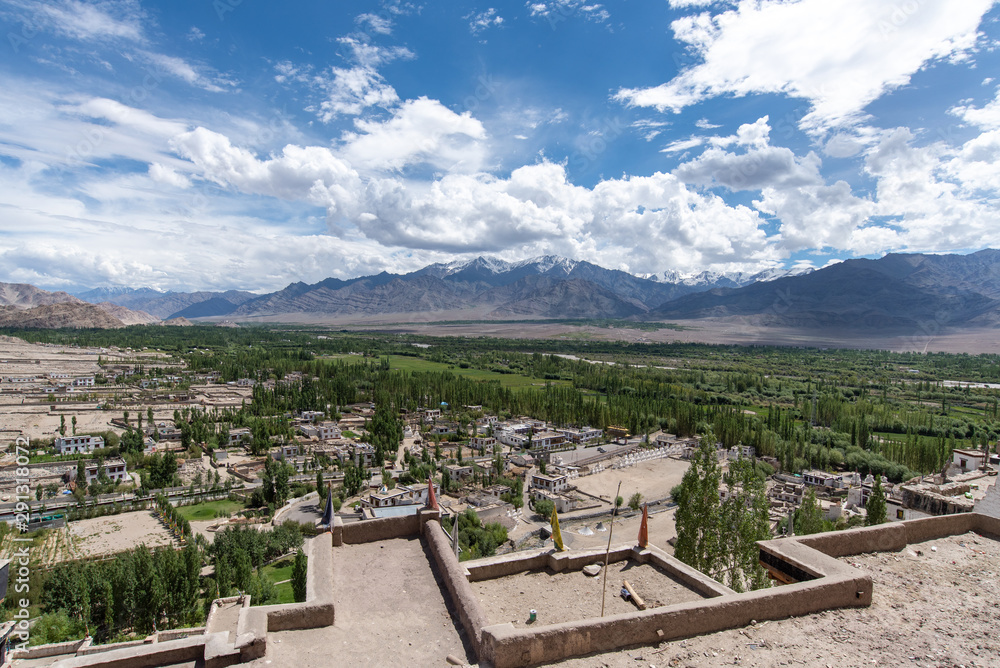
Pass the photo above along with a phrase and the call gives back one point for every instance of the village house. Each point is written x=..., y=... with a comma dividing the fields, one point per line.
x=581, y=436
x=663, y=439
x=821, y=479
x=512, y=438
x=311, y=416
x=241, y=435
x=83, y=381
x=324, y=431
x=431, y=414
x=72, y=445
x=115, y=469
x=547, y=440
x=968, y=460
x=549, y=483
x=285, y=451
x=564, y=503
x=245, y=382
x=459, y=471
x=482, y=443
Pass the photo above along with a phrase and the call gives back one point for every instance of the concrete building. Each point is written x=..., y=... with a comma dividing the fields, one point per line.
x=821, y=479
x=581, y=436
x=482, y=443
x=547, y=440
x=238, y=436
x=549, y=483
x=968, y=460
x=324, y=431
x=115, y=469
x=72, y=445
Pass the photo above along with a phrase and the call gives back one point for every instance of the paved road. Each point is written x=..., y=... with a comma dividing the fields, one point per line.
x=306, y=511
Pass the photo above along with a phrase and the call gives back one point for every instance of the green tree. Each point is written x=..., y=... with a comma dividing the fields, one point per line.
x=744, y=521
x=876, y=504
x=635, y=501
x=543, y=507
x=809, y=518
x=62, y=425
x=299, y=577
x=74, y=425
x=698, y=516
x=81, y=475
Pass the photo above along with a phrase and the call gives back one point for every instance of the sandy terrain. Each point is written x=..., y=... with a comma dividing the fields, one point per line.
x=731, y=330
x=567, y=597
x=116, y=533
x=392, y=610
x=653, y=479
x=936, y=609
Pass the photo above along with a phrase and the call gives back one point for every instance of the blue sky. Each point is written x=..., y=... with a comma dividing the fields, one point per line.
x=219, y=144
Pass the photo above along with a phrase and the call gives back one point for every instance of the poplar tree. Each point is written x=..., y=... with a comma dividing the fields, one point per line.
x=876, y=504
x=698, y=514
x=299, y=577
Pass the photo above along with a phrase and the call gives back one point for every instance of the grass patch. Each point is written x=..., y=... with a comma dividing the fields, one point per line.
x=278, y=572
x=510, y=380
x=209, y=510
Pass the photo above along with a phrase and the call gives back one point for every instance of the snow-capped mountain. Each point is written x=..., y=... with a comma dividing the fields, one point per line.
x=735, y=279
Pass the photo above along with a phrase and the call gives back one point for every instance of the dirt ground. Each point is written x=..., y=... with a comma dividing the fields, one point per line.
x=931, y=608
x=653, y=479
x=115, y=533
x=573, y=596
x=392, y=610
x=731, y=330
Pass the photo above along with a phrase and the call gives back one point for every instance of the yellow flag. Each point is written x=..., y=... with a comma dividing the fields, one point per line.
x=556, y=534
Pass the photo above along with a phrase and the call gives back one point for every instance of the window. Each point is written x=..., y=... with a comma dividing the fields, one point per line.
x=899, y=513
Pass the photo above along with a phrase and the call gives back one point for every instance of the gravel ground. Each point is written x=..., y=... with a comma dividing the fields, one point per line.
x=931, y=609
x=573, y=596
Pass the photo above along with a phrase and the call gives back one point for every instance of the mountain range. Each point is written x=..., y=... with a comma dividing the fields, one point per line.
x=896, y=292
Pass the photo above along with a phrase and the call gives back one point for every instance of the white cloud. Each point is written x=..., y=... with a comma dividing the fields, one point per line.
x=557, y=11
x=311, y=173
x=380, y=25
x=704, y=124
x=478, y=22
x=986, y=117
x=937, y=197
x=85, y=21
x=681, y=145
x=420, y=131
x=351, y=90
x=840, y=56
x=168, y=176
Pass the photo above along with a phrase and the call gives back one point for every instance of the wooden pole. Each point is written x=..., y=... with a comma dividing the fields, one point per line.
x=635, y=597
x=611, y=530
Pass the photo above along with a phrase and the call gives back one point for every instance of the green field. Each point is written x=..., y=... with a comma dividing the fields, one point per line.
x=511, y=380
x=278, y=572
x=209, y=510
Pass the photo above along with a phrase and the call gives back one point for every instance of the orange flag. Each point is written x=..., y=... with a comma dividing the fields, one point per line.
x=644, y=528
x=431, y=498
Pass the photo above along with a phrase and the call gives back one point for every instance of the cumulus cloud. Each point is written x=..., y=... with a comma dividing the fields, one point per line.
x=351, y=90
x=420, y=130
x=839, y=56
x=310, y=173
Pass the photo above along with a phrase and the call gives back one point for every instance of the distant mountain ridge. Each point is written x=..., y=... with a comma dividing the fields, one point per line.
x=23, y=305
x=920, y=293
x=896, y=291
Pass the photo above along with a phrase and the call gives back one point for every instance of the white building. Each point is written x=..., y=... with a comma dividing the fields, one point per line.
x=241, y=435
x=549, y=483
x=324, y=431
x=546, y=440
x=482, y=443
x=72, y=445
x=115, y=469
x=821, y=478
x=968, y=460
x=582, y=436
